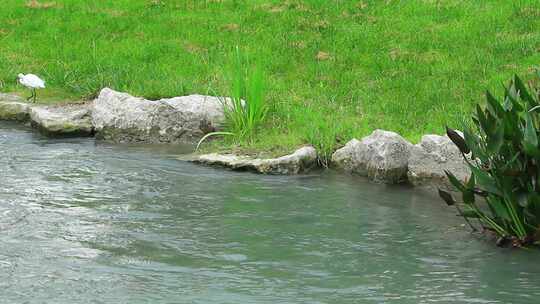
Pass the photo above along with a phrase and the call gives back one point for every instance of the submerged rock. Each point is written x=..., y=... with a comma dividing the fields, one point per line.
x=70, y=120
x=120, y=117
x=382, y=157
x=431, y=157
x=302, y=160
x=13, y=108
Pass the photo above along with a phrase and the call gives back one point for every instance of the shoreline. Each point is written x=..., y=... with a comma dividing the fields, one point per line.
x=382, y=157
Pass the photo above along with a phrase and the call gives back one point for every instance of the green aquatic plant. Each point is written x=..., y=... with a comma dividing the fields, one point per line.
x=501, y=147
x=245, y=109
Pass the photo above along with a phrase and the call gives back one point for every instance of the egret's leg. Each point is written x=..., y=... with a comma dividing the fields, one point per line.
x=31, y=96
x=34, y=93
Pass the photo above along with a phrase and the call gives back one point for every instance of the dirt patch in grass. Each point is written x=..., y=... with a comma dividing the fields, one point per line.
x=322, y=56
x=230, y=27
x=34, y=4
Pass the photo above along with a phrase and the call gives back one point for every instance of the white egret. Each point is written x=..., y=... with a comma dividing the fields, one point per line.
x=32, y=82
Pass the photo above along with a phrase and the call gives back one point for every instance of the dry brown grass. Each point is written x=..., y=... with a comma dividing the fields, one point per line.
x=193, y=48
x=322, y=56
x=231, y=27
x=35, y=4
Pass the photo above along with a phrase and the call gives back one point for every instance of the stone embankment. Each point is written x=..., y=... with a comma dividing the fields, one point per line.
x=120, y=117
x=301, y=161
x=383, y=156
x=388, y=158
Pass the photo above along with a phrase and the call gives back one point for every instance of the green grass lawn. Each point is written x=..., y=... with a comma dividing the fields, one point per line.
x=335, y=69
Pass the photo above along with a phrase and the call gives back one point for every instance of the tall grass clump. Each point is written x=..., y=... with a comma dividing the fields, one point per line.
x=245, y=109
x=503, y=152
x=322, y=131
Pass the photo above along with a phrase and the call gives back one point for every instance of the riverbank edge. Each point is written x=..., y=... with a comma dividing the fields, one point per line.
x=382, y=157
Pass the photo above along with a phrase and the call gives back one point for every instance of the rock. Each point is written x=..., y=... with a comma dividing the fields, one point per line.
x=302, y=160
x=70, y=120
x=347, y=158
x=10, y=98
x=431, y=157
x=14, y=108
x=382, y=157
x=120, y=117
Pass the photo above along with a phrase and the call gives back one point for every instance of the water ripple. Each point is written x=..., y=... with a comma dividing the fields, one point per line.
x=86, y=222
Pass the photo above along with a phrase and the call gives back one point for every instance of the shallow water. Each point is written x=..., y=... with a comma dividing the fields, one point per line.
x=84, y=222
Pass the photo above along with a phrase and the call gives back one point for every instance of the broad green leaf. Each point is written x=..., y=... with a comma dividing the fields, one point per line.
x=471, y=183
x=473, y=142
x=485, y=181
x=531, y=217
x=492, y=123
x=507, y=104
x=493, y=105
x=506, y=169
x=482, y=119
x=470, y=214
x=447, y=197
x=523, y=92
x=499, y=208
x=457, y=140
x=454, y=181
x=495, y=140
x=512, y=130
x=469, y=193
x=468, y=196
x=523, y=200
x=516, y=106
x=511, y=90
x=511, y=99
x=530, y=139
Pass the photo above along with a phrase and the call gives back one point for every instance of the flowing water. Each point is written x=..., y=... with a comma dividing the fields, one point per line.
x=84, y=222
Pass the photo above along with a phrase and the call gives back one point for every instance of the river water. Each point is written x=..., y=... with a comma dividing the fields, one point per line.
x=85, y=222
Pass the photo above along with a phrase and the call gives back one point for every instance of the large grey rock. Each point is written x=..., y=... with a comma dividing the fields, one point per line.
x=68, y=120
x=120, y=117
x=348, y=157
x=302, y=160
x=431, y=157
x=381, y=156
x=13, y=107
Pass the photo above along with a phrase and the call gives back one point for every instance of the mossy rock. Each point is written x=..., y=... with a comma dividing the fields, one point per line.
x=301, y=161
x=65, y=129
x=73, y=120
x=13, y=108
